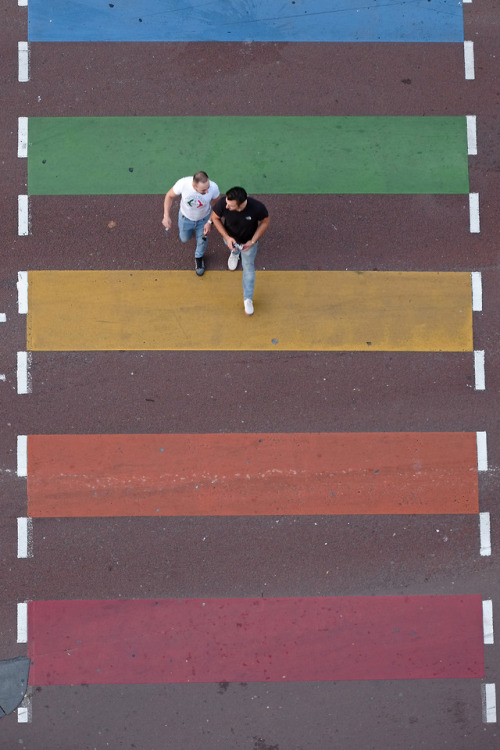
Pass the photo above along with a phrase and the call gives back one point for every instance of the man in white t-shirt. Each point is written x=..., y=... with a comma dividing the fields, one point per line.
x=198, y=194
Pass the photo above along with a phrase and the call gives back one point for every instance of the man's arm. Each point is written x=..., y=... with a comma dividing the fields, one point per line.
x=222, y=229
x=208, y=226
x=261, y=229
x=167, y=203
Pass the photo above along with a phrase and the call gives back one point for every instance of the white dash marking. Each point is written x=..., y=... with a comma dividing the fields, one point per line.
x=489, y=703
x=24, y=3
x=23, y=216
x=23, y=372
x=488, y=636
x=22, y=455
x=22, y=622
x=464, y=1
x=22, y=137
x=477, y=291
x=24, y=537
x=474, y=220
x=469, y=61
x=23, y=715
x=2, y=377
x=22, y=292
x=3, y=318
x=480, y=382
x=471, y=135
x=485, y=534
x=23, y=62
x=482, y=451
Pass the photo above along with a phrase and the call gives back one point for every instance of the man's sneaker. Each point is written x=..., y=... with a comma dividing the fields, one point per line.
x=248, y=306
x=200, y=266
x=232, y=262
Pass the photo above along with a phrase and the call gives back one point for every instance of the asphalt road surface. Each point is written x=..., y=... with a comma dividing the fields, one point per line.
x=276, y=532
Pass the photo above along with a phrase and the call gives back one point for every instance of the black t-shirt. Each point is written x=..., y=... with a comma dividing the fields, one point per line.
x=241, y=225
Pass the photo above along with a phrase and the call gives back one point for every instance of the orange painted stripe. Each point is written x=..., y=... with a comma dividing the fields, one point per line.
x=252, y=474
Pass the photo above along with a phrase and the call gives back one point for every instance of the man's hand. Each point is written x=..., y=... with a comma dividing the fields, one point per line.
x=167, y=222
x=207, y=228
x=247, y=246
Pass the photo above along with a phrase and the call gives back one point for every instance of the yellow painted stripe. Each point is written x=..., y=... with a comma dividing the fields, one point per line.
x=294, y=310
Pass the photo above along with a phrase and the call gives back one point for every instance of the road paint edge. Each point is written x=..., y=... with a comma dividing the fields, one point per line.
x=474, y=219
x=488, y=635
x=489, y=703
x=471, y=135
x=22, y=456
x=23, y=56
x=22, y=622
x=22, y=137
x=485, y=534
x=22, y=292
x=470, y=73
x=23, y=373
x=482, y=451
x=23, y=216
x=479, y=372
x=24, y=538
x=477, y=291
x=24, y=712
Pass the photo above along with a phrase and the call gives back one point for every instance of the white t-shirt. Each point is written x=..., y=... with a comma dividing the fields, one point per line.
x=194, y=205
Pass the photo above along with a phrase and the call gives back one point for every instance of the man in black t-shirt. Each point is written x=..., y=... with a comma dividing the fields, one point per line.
x=241, y=221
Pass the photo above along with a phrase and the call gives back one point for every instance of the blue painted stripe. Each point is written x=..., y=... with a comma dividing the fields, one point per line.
x=245, y=20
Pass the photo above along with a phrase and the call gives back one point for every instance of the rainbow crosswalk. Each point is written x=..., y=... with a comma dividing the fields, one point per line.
x=306, y=155
x=192, y=640
x=244, y=474
x=171, y=310
x=246, y=640
x=258, y=21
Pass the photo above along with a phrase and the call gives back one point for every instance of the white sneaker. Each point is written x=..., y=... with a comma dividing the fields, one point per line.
x=248, y=306
x=232, y=262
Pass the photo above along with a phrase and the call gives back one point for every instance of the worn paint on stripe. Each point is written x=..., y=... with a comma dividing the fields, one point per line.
x=22, y=455
x=236, y=21
x=23, y=219
x=489, y=703
x=23, y=372
x=488, y=633
x=22, y=622
x=252, y=474
x=472, y=135
x=22, y=292
x=175, y=310
x=479, y=372
x=144, y=155
x=24, y=712
x=485, y=534
x=470, y=72
x=22, y=137
x=477, y=291
x=24, y=537
x=474, y=215
x=255, y=640
x=23, y=74
x=482, y=451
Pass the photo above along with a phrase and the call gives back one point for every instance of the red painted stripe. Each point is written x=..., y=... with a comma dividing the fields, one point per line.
x=252, y=474
x=245, y=640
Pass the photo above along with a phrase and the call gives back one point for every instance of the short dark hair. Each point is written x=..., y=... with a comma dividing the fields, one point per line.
x=237, y=194
x=200, y=177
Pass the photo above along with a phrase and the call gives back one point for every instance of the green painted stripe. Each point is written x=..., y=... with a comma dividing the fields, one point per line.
x=132, y=155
